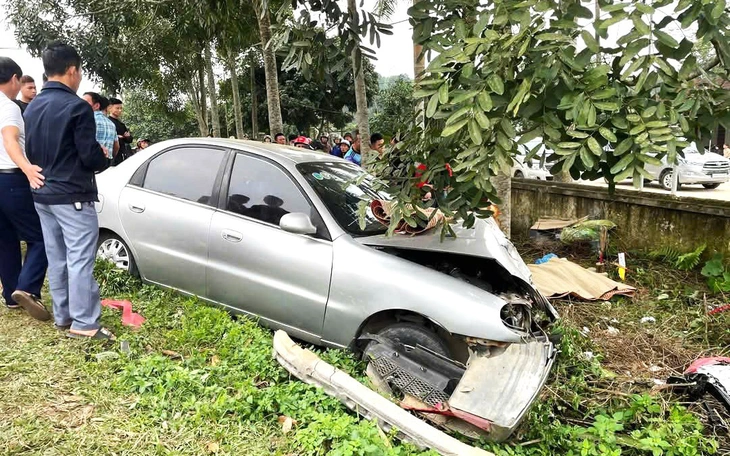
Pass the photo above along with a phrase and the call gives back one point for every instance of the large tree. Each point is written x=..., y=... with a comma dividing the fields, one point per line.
x=512, y=70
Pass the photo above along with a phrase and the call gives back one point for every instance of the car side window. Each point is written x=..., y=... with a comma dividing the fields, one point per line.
x=261, y=190
x=188, y=173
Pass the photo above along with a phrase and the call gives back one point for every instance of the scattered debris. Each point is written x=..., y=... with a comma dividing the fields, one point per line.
x=718, y=310
x=648, y=320
x=559, y=278
x=286, y=423
x=172, y=354
x=588, y=355
x=124, y=347
x=545, y=258
x=612, y=331
x=707, y=375
x=662, y=297
x=107, y=355
x=309, y=368
x=129, y=318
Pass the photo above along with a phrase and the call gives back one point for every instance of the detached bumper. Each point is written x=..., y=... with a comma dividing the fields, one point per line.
x=501, y=387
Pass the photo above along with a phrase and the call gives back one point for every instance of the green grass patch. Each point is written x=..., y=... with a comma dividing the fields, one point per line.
x=198, y=381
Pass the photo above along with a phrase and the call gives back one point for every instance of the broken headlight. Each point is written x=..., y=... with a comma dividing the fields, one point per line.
x=517, y=317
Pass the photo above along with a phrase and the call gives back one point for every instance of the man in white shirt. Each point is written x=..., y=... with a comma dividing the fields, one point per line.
x=21, y=281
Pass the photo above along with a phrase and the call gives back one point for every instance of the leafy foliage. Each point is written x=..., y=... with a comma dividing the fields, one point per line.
x=152, y=118
x=718, y=275
x=509, y=71
x=394, y=106
x=682, y=261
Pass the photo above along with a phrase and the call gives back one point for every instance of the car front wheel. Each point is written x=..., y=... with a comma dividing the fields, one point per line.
x=113, y=249
x=666, y=180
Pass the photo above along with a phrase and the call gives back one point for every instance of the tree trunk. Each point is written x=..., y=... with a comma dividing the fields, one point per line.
x=199, y=113
x=276, y=124
x=254, y=100
x=215, y=118
x=419, y=61
x=503, y=184
x=361, y=99
x=236, y=95
x=203, y=97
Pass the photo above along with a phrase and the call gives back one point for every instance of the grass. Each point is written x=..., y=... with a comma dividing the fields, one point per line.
x=196, y=381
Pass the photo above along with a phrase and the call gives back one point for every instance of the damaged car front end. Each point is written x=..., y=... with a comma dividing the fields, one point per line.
x=492, y=375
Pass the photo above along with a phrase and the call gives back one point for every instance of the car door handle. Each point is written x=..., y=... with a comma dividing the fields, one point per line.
x=232, y=236
x=139, y=208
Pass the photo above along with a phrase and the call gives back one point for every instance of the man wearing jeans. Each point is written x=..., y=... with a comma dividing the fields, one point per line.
x=61, y=139
x=21, y=282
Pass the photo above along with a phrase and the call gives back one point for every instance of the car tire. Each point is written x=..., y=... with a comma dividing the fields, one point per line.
x=414, y=334
x=710, y=186
x=519, y=174
x=665, y=180
x=111, y=247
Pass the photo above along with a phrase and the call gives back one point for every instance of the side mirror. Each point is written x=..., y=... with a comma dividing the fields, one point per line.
x=297, y=223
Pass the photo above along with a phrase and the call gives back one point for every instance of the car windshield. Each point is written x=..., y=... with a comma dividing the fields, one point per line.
x=342, y=187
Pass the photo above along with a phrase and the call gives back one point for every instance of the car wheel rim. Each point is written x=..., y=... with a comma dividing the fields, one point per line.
x=114, y=251
x=668, y=180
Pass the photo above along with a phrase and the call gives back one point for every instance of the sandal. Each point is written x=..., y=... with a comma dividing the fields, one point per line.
x=100, y=334
x=62, y=327
x=31, y=304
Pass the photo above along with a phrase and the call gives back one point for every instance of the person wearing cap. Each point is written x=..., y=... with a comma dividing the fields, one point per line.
x=344, y=147
x=143, y=144
x=267, y=138
x=302, y=142
x=325, y=141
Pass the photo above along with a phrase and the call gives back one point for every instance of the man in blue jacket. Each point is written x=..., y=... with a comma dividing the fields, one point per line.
x=61, y=140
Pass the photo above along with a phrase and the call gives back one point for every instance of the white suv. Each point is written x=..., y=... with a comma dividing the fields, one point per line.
x=708, y=169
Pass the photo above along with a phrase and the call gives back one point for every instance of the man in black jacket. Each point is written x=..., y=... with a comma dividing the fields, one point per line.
x=61, y=140
x=125, y=137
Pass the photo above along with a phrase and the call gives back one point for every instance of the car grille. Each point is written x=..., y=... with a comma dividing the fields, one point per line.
x=407, y=383
x=716, y=167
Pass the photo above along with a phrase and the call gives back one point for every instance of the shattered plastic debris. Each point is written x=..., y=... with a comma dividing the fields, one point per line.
x=588, y=355
x=611, y=330
x=648, y=320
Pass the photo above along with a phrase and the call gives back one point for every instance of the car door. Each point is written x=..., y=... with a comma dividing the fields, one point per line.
x=166, y=212
x=257, y=267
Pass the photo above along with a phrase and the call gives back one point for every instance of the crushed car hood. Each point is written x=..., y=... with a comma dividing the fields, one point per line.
x=484, y=240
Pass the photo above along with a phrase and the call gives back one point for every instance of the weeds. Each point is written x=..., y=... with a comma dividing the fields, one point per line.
x=197, y=381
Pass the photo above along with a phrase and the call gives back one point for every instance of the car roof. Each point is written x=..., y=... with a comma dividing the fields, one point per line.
x=277, y=152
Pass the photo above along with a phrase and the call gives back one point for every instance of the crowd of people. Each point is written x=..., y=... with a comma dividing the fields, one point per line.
x=347, y=146
x=53, y=144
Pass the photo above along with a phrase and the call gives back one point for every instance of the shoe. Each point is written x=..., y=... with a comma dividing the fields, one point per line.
x=32, y=305
x=12, y=306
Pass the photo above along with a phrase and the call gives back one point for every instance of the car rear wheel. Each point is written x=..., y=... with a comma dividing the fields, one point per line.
x=112, y=248
x=519, y=174
x=666, y=180
x=710, y=186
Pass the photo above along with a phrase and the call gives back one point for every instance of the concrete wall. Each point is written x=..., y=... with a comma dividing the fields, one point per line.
x=645, y=220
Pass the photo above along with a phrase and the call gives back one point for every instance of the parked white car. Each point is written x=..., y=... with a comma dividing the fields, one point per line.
x=709, y=170
x=536, y=167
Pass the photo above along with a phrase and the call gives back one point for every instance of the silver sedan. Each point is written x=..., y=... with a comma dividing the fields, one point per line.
x=275, y=233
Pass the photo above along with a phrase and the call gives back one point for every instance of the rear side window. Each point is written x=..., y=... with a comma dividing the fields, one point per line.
x=187, y=173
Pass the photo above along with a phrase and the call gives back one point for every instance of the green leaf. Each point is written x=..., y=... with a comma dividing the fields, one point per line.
x=591, y=115
x=637, y=129
x=603, y=94
x=666, y=39
x=633, y=118
x=718, y=9
x=451, y=129
x=569, y=161
x=475, y=132
x=444, y=93
x=482, y=119
x=623, y=147
x=644, y=8
x=485, y=101
x=462, y=97
x=613, y=20
x=606, y=106
x=495, y=83
x=423, y=93
x=553, y=37
x=504, y=141
x=640, y=25
x=569, y=145
x=648, y=112
x=530, y=135
x=578, y=134
x=590, y=42
x=432, y=105
x=657, y=124
x=622, y=164
x=607, y=134
x=683, y=123
x=507, y=128
x=689, y=65
x=594, y=146
x=458, y=114
x=587, y=158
